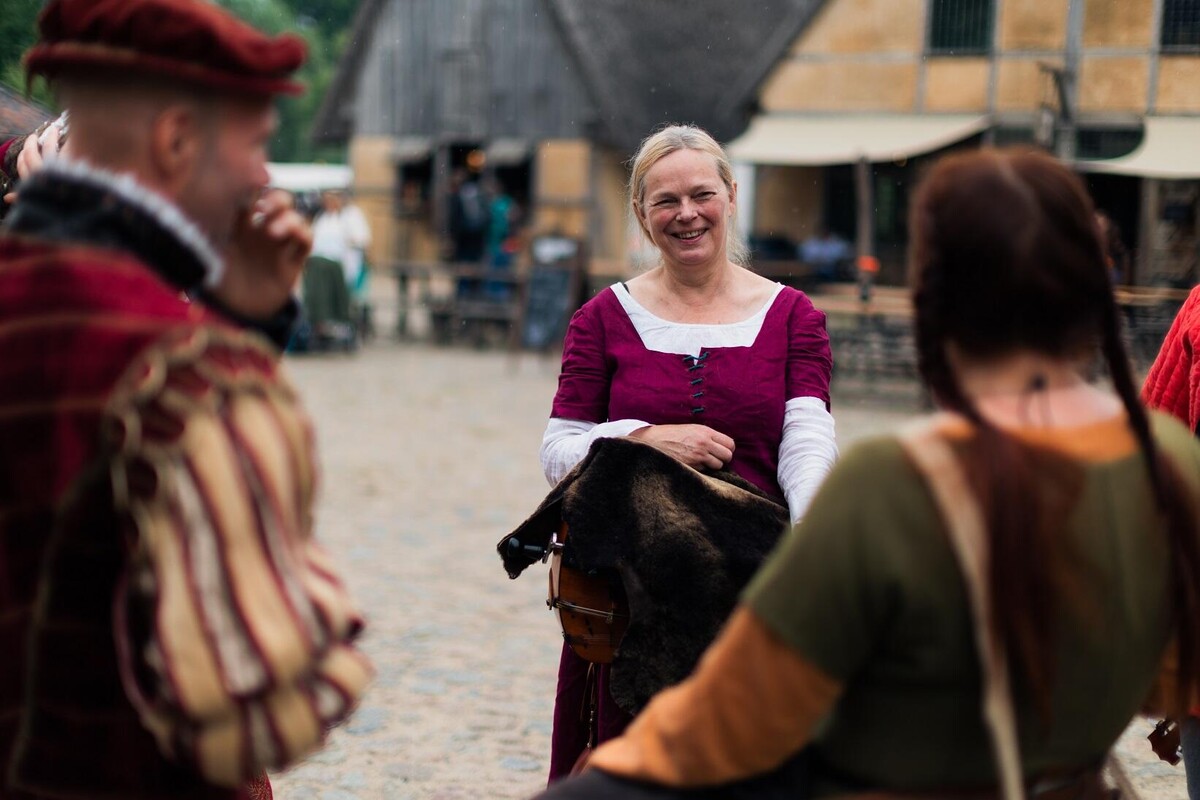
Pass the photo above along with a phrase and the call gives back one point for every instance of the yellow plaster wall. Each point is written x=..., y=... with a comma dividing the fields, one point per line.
x=1020, y=85
x=611, y=175
x=1113, y=84
x=371, y=160
x=561, y=220
x=563, y=185
x=376, y=206
x=563, y=169
x=841, y=86
x=956, y=84
x=1117, y=23
x=1034, y=24
x=788, y=201
x=374, y=179
x=1178, y=85
x=865, y=26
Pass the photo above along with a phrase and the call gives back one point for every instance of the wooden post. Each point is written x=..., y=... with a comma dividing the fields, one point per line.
x=1069, y=90
x=1144, y=266
x=864, y=196
x=440, y=194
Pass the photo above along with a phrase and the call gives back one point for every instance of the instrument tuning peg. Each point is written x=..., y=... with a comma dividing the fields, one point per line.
x=516, y=550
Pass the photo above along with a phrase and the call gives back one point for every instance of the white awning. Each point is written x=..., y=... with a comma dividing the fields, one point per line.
x=507, y=152
x=817, y=141
x=1170, y=150
x=407, y=149
x=309, y=177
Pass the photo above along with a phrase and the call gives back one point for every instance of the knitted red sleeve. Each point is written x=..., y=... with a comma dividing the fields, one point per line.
x=1173, y=383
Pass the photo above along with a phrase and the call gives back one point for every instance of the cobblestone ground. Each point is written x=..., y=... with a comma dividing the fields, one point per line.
x=429, y=457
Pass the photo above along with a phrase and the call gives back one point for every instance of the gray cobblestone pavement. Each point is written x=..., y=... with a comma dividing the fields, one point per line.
x=1138, y=771
x=429, y=456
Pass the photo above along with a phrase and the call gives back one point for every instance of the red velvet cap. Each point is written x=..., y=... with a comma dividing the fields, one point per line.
x=192, y=41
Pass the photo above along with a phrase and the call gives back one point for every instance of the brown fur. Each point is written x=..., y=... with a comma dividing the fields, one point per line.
x=685, y=544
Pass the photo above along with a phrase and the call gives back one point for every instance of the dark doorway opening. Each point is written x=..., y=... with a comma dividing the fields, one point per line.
x=1120, y=198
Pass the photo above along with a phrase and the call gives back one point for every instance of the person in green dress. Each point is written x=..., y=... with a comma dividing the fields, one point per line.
x=850, y=665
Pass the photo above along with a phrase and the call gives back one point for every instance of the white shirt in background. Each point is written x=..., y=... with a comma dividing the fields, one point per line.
x=342, y=236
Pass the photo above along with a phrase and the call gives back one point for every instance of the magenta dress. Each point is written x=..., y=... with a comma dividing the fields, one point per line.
x=608, y=374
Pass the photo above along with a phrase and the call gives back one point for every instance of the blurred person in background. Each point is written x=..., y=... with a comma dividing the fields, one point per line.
x=503, y=213
x=468, y=218
x=827, y=252
x=1114, y=245
x=335, y=278
x=341, y=233
x=853, y=665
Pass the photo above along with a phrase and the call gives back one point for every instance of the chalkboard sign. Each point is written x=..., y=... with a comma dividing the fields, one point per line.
x=548, y=301
x=550, y=292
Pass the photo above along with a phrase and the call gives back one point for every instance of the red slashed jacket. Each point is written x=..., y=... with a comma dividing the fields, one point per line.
x=144, y=439
x=51, y=296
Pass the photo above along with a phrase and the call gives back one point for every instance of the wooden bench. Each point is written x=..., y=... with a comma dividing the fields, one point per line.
x=469, y=302
x=872, y=342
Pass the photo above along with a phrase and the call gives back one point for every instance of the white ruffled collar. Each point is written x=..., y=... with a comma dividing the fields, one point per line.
x=148, y=201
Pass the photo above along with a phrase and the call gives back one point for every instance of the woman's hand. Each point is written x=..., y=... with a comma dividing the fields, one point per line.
x=695, y=445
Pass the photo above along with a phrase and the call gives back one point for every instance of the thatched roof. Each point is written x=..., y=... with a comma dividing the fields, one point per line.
x=335, y=117
x=650, y=62
x=645, y=62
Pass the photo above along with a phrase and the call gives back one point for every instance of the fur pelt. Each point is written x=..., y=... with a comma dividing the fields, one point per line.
x=684, y=544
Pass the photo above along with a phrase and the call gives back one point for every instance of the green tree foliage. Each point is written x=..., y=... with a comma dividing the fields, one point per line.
x=18, y=29
x=308, y=19
x=322, y=24
x=332, y=17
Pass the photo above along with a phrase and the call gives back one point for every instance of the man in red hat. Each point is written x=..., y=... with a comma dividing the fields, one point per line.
x=168, y=626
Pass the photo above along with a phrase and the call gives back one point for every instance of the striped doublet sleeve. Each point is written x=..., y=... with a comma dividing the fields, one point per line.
x=234, y=630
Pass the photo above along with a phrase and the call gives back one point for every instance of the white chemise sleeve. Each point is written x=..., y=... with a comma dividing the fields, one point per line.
x=807, y=452
x=566, y=442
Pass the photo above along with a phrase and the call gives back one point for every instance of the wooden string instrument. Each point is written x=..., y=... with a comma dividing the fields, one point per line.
x=591, y=606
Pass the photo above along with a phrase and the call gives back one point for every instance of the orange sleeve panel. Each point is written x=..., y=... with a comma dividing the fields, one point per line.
x=752, y=702
x=1164, y=699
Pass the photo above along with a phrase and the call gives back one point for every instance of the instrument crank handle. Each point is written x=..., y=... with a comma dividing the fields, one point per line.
x=516, y=549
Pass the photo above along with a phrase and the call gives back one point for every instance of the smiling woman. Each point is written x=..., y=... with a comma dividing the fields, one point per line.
x=687, y=215
x=692, y=176
x=712, y=364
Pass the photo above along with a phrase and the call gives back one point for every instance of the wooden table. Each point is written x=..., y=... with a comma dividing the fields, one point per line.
x=859, y=332
x=1147, y=312
x=475, y=296
x=1149, y=295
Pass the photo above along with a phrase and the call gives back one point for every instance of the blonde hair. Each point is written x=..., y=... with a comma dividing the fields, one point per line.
x=662, y=143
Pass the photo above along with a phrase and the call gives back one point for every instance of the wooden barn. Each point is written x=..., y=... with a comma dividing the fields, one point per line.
x=550, y=97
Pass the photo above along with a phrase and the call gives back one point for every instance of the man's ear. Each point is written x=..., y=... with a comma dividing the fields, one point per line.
x=178, y=139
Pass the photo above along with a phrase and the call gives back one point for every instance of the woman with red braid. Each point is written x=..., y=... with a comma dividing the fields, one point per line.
x=851, y=664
